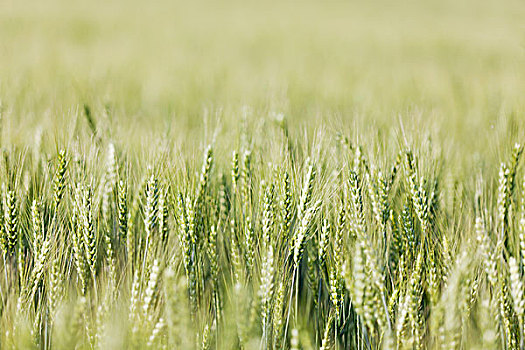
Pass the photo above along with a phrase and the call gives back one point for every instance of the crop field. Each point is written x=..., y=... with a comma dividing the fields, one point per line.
x=262, y=174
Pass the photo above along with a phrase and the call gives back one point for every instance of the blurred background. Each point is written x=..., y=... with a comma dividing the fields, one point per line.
x=169, y=65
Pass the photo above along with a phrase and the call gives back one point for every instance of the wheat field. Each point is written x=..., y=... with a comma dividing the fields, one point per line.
x=262, y=175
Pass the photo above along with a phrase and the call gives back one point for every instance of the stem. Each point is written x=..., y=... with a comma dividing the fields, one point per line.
x=296, y=292
x=288, y=314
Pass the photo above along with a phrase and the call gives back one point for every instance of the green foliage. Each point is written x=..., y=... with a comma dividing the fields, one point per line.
x=368, y=192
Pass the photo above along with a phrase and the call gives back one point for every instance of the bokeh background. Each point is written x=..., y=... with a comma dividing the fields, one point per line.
x=173, y=66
